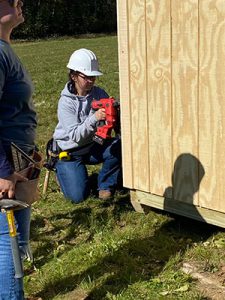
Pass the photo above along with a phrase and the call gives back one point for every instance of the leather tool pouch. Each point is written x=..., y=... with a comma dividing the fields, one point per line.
x=27, y=191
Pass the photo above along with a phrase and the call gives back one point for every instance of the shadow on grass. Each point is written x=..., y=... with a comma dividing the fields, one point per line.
x=139, y=259
x=135, y=261
x=46, y=234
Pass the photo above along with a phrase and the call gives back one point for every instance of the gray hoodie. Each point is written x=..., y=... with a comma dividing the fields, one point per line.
x=76, y=120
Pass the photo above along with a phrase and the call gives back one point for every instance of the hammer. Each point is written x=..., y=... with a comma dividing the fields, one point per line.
x=8, y=206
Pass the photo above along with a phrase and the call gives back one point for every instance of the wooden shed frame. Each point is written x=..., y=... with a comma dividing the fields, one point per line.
x=172, y=93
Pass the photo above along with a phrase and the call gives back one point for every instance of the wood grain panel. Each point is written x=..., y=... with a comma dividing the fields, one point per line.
x=138, y=93
x=159, y=94
x=185, y=180
x=212, y=103
x=123, y=53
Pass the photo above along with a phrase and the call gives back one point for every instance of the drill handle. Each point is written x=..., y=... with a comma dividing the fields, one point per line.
x=100, y=123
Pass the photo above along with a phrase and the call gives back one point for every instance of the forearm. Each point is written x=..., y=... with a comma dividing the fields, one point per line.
x=7, y=183
x=84, y=131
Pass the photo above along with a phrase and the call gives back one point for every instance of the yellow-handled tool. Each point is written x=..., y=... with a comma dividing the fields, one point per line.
x=8, y=206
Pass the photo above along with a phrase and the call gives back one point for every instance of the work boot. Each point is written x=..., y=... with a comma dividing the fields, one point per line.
x=104, y=195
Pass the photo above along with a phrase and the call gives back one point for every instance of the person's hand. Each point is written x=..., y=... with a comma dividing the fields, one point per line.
x=100, y=114
x=8, y=184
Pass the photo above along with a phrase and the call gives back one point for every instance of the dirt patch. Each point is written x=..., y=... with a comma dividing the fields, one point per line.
x=210, y=284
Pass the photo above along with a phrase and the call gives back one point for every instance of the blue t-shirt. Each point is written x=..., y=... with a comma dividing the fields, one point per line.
x=17, y=114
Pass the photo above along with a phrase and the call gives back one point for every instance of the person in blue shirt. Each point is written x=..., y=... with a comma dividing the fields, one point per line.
x=77, y=123
x=17, y=124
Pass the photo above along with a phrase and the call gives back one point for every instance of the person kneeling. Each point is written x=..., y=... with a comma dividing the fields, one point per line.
x=77, y=123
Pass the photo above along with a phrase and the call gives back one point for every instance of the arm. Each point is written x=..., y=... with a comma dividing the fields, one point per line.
x=76, y=120
x=8, y=177
x=77, y=131
x=5, y=166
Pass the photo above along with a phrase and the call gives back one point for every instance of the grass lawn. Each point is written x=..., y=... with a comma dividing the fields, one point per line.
x=102, y=250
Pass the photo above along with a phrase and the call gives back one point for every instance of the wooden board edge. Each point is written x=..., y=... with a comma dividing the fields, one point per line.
x=140, y=199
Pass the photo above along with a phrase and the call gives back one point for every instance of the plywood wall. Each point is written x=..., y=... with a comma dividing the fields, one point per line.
x=172, y=93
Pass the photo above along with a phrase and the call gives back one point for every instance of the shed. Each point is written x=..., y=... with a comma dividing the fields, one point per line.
x=172, y=93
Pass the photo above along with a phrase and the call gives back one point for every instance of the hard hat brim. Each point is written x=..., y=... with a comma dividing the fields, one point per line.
x=93, y=73
x=85, y=72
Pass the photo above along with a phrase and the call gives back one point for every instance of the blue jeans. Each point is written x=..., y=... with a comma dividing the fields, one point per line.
x=10, y=287
x=73, y=177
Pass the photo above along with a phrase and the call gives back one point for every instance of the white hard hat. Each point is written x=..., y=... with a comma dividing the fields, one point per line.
x=84, y=61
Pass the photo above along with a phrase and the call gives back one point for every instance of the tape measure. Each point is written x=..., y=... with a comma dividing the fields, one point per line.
x=64, y=155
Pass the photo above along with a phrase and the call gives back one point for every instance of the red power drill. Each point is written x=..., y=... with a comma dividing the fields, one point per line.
x=104, y=127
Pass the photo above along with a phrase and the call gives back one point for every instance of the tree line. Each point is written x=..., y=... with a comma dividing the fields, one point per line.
x=45, y=18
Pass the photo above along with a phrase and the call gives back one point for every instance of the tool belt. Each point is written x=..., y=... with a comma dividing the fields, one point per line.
x=55, y=153
x=30, y=168
x=52, y=154
x=28, y=191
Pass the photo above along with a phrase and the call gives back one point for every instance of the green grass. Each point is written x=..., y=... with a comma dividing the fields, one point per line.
x=46, y=62
x=104, y=250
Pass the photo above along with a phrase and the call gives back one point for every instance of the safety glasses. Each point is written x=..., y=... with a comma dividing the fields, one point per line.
x=87, y=78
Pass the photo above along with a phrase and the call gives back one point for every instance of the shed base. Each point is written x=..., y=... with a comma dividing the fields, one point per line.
x=141, y=199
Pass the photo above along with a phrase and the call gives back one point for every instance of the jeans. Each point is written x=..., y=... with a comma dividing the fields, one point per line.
x=10, y=287
x=73, y=177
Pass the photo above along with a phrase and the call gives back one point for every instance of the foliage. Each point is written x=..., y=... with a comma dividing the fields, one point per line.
x=104, y=250
x=65, y=17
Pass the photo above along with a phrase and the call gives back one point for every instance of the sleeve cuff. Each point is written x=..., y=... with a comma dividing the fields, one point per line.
x=93, y=120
